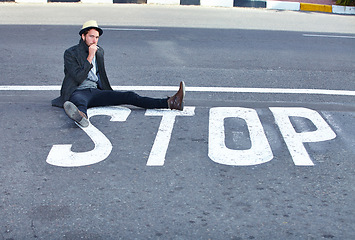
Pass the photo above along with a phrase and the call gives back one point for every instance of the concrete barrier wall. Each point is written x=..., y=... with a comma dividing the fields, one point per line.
x=217, y=3
x=164, y=2
x=276, y=5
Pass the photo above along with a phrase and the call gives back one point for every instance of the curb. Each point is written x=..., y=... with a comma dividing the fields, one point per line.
x=315, y=7
x=296, y=6
x=274, y=5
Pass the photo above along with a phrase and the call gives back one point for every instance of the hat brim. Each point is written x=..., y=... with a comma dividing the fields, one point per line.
x=88, y=28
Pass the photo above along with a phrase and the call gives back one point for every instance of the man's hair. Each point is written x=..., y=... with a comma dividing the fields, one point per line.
x=86, y=31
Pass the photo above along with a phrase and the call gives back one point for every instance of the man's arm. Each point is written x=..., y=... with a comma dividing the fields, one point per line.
x=92, y=51
x=78, y=71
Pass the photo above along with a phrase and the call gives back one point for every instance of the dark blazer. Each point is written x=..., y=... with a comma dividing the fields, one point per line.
x=76, y=69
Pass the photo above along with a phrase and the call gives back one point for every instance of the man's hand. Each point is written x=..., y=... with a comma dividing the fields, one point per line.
x=92, y=52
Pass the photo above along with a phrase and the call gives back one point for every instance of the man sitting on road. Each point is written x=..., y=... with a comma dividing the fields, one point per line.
x=86, y=84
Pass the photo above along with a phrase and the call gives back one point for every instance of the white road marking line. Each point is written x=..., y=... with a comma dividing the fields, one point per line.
x=131, y=29
x=29, y=88
x=197, y=89
x=271, y=90
x=327, y=36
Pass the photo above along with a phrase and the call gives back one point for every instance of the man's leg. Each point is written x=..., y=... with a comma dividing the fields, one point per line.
x=113, y=98
x=81, y=99
x=110, y=98
x=75, y=114
x=76, y=107
x=177, y=101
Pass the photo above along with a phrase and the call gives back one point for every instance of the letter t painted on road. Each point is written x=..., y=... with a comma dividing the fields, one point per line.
x=161, y=143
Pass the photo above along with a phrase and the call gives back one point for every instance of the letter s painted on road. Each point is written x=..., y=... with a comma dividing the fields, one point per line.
x=61, y=155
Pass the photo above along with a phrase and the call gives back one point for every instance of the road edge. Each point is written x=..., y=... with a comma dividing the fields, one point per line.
x=272, y=5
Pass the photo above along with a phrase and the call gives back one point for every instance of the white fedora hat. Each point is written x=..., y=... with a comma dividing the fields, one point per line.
x=91, y=24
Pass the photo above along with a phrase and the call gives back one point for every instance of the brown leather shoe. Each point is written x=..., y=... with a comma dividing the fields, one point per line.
x=75, y=114
x=177, y=101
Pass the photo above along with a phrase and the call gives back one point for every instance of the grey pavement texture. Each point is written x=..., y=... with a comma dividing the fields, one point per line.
x=190, y=197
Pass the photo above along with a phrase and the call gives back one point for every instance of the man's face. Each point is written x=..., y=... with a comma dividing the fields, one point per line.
x=92, y=37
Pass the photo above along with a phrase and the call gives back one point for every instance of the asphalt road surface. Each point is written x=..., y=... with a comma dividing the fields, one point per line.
x=263, y=150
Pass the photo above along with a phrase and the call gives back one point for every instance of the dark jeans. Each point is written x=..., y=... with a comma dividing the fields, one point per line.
x=92, y=97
